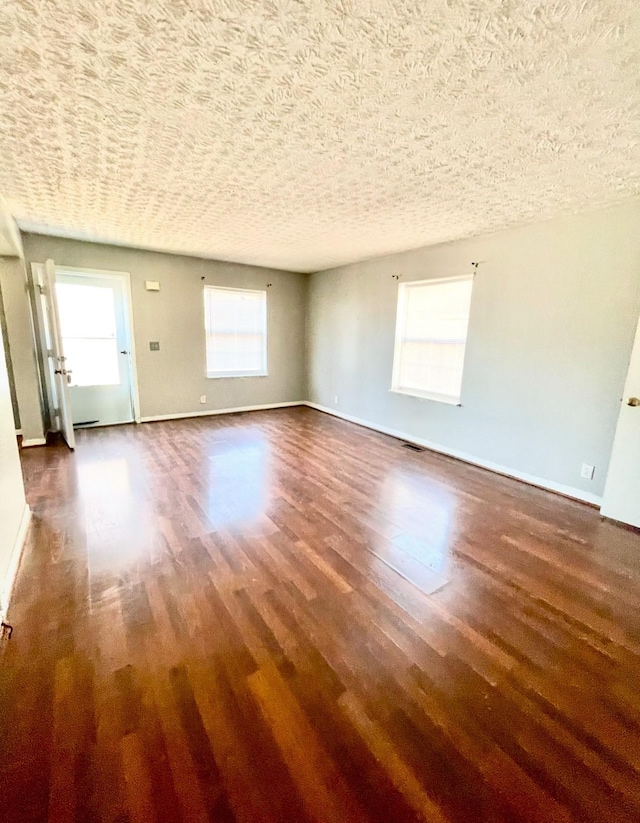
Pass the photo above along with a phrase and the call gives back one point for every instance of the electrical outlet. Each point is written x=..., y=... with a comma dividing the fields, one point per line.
x=335, y=400
x=154, y=345
x=203, y=398
x=587, y=471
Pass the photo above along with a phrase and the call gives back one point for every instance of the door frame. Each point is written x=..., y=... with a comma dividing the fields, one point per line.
x=612, y=507
x=125, y=276
x=37, y=284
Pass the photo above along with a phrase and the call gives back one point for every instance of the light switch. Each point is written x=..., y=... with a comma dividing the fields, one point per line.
x=587, y=471
x=152, y=285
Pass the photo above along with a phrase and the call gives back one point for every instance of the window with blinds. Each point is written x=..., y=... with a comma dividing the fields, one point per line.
x=236, y=332
x=431, y=335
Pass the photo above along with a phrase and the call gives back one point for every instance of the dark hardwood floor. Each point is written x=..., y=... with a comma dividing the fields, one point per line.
x=279, y=616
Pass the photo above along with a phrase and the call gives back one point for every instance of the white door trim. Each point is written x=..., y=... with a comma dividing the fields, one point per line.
x=125, y=276
x=620, y=499
x=60, y=375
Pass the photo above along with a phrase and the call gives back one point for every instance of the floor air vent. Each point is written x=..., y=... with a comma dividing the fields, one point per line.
x=413, y=447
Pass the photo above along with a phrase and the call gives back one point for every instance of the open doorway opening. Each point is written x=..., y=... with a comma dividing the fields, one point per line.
x=97, y=342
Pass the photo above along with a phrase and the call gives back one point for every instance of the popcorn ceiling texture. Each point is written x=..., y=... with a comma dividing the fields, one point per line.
x=302, y=134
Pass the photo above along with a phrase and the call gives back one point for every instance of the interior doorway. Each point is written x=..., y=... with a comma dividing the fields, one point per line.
x=95, y=329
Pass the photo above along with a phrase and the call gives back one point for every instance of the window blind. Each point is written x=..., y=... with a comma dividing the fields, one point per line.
x=431, y=336
x=236, y=332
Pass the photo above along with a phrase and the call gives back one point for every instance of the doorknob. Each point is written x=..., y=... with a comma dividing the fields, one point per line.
x=124, y=352
x=633, y=401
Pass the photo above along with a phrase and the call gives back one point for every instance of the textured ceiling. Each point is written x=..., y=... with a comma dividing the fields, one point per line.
x=301, y=134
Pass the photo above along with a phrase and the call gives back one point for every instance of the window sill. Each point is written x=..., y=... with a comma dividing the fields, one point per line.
x=437, y=398
x=237, y=374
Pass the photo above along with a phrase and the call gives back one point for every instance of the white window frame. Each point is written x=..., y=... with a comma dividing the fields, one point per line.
x=399, y=337
x=262, y=372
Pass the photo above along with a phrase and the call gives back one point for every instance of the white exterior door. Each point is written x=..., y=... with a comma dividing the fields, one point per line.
x=622, y=490
x=57, y=364
x=95, y=336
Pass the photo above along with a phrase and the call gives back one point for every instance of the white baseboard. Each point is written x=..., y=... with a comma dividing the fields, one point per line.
x=208, y=412
x=549, y=485
x=34, y=441
x=14, y=562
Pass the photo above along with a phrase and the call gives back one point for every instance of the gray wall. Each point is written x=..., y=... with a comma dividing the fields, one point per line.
x=553, y=317
x=172, y=379
x=20, y=348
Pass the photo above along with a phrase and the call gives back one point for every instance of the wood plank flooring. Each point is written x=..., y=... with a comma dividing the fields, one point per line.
x=280, y=616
